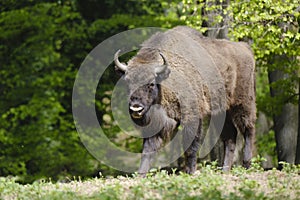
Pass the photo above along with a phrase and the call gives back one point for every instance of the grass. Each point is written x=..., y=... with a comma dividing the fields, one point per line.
x=207, y=183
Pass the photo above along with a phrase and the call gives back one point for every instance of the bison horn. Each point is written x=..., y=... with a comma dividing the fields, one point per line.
x=162, y=68
x=121, y=66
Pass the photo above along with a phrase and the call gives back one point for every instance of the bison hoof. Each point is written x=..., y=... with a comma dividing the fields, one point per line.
x=142, y=175
x=247, y=164
x=189, y=170
x=226, y=168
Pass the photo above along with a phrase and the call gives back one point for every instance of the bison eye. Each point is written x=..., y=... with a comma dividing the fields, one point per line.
x=151, y=85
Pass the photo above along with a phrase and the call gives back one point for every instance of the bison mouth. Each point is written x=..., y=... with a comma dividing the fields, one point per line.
x=136, y=115
x=136, y=111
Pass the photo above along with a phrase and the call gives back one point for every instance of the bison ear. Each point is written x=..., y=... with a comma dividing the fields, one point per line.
x=163, y=75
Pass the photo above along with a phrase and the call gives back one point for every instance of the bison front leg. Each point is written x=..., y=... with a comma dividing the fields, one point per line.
x=150, y=147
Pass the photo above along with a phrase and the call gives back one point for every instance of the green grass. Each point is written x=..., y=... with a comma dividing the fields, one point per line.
x=207, y=183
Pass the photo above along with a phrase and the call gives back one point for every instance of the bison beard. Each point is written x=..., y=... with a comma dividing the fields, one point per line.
x=184, y=51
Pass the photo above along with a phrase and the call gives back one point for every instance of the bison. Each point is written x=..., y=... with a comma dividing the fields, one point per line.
x=205, y=77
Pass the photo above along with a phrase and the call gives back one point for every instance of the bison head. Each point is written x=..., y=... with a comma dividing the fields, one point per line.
x=143, y=79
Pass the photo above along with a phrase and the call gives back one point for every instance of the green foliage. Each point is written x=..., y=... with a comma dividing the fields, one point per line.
x=290, y=168
x=205, y=16
x=273, y=26
x=256, y=163
x=38, y=137
x=101, y=29
x=92, y=10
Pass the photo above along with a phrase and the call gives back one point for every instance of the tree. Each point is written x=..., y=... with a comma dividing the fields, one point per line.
x=297, y=160
x=286, y=119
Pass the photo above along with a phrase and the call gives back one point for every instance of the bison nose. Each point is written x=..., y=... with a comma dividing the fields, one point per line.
x=136, y=108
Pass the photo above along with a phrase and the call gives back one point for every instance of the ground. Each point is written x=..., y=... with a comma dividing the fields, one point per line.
x=208, y=182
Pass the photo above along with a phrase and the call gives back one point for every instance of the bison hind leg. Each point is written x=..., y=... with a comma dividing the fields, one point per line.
x=244, y=119
x=249, y=140
x=229, y=134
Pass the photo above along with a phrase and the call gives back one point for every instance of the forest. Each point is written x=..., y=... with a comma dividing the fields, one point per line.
x=42, y=46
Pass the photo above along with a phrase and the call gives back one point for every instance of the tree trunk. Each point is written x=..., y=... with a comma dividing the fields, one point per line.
x=285, y=123
x=297, y=160
x=217, y=30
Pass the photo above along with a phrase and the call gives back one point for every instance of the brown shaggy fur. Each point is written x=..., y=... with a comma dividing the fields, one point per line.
x=221, y=75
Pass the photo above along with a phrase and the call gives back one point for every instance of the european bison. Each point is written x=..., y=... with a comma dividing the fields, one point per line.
x=205, y=76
